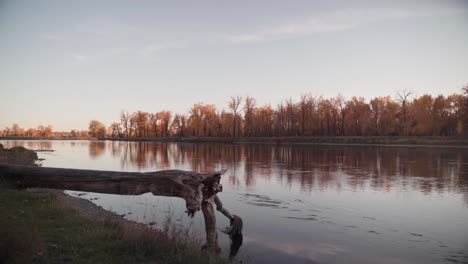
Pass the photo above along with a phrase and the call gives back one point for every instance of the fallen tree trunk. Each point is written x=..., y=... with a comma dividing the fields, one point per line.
x=176, y=183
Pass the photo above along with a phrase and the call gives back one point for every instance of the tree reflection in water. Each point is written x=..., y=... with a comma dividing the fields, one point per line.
x=96, y=149
x=311, y=167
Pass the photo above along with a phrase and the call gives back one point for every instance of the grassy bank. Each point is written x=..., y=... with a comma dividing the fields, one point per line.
x=36, y=227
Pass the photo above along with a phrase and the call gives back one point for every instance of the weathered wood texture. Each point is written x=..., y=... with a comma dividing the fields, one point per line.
x=177, y=183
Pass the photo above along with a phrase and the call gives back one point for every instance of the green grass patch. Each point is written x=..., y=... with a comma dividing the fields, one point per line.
x=36, y=228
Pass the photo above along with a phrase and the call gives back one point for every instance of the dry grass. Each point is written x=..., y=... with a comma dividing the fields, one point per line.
x=36, y=228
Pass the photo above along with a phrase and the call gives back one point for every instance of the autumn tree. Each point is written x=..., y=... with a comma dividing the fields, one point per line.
x=209, y=119
x=165, y=117
x=440, y=115
x=456, y=117
x=328, y=118
x=226, y=124
x=383, y=116
x=31, y=132
x=40, y=130
x=309, y=116
x=153, y=122
x=74, y=133
x=115, y=130
x=141, y=124
x=44, y=131
x=196, y=119
x=388, y=124
x=465, y=111
x=263, y=125
x=358, y=115
x=16, y=130
x=97, y=129
x=421, y=122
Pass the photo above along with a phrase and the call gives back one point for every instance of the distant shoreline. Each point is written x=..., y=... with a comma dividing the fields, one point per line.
x=316, y=140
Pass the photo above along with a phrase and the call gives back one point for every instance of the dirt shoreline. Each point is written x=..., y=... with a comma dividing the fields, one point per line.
x=95, y=213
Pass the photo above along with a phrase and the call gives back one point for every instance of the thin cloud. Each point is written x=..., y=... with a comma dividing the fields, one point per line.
x=152, y=49
x=336, y=21
x=88, y=56
x=107, y=27
x=52, y=36
x=77, y=57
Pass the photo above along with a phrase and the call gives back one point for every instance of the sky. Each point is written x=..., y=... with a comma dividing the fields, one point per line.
x=65, y=63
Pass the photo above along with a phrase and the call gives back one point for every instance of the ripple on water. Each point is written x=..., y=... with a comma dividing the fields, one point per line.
x=301, y=218
x=263, y=201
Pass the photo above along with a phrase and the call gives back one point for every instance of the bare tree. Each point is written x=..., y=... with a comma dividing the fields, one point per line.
x=178, y=125
x=125, y=121
x=234, y=105
x=402, y=98
x=248, y=116
x=341, y=103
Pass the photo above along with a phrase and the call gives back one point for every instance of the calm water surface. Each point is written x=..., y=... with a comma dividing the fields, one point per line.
x=302, y=204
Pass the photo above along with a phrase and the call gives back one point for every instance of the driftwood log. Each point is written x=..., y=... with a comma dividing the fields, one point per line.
x=197, y=189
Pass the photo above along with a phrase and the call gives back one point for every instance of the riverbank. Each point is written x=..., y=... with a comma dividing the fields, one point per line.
x=336, y=140
x=342, y=140
x=48, y=226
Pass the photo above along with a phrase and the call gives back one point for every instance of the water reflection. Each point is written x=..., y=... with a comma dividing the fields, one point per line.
x=96, y=149
x=312, y=168
x=36, y=145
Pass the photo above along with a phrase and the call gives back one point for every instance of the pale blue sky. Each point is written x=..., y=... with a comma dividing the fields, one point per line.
x=67, y=62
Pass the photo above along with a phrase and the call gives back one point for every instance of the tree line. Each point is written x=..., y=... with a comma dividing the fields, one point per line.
x=402, y=115
x=41, y=131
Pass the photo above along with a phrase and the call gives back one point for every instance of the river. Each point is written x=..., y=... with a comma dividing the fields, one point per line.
x=301, y=203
